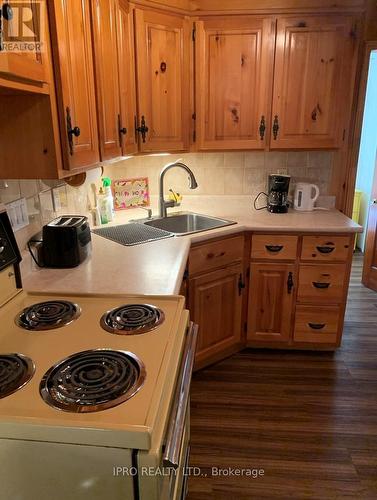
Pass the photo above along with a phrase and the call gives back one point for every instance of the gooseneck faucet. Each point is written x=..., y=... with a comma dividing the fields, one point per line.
x=170, y=203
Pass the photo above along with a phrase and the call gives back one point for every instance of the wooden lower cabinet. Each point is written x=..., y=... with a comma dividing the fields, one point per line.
x=215, y=302
x=271, y=302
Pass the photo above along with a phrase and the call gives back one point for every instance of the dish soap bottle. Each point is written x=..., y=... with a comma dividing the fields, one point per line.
x=106, y=201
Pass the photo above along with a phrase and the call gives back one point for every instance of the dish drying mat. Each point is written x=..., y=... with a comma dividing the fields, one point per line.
x=132, y=234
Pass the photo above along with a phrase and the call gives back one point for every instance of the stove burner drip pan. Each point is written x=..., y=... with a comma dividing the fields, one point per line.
x=92, y=380
x=15, y=371
x=132, y=319
x=48, y=315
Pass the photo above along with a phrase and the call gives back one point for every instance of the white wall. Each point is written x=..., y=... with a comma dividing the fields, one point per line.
x=368, y=147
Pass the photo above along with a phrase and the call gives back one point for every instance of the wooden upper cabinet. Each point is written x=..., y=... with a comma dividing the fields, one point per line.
x=73, y=62
x=104, y=20
x=163, y=80
x=126, y=78
x=28, y=24
x=234, y=62
x=314, y=67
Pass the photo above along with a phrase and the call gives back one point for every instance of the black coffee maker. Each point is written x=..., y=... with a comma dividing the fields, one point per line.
x=278, y=188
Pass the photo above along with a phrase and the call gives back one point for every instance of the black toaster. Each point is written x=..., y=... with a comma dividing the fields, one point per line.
x=66, y=241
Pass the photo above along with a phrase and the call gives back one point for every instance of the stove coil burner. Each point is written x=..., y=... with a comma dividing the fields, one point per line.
x=93, y=380
x=132, y=319
x=48, y=315
x=15, y=371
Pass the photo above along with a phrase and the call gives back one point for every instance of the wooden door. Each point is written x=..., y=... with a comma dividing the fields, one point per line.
x=73, y=60
x=215, y=302
x=370, y=258
x=234, y=59
x=313, y=81
x=163, y=75
x=271, y=299
x=126, y=60
x=104, y=21
x=27, y=26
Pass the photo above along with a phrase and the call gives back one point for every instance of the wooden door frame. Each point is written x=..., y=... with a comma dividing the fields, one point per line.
x=356, y=127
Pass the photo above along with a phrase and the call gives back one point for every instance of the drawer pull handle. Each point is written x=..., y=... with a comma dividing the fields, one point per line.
x=212, y=255
x=318, y=284
x=274, y=248
x=325, y=249
x=317, y=326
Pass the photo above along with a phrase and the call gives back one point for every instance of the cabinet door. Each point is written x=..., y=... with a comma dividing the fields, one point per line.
x=271, y=299
x=215, y=301
x=314, y=69
x=163, y=75
x=126, y=79
x=73, y=61
x=28, y=25
x=234, y=58
x=104, y=20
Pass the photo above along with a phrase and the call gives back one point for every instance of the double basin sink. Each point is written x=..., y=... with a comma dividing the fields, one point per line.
x=183, y=223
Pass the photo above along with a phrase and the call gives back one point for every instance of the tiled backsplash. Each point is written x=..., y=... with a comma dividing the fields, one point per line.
x=229, y=173
x=233, y=173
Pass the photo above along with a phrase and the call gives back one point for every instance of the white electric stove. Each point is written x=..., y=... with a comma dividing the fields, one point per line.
x=93, y=394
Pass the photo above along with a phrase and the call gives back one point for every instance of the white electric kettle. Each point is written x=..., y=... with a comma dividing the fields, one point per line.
x=305, y=196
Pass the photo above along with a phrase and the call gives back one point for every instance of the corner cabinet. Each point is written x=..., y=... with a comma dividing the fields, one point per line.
x=163, y=80
x=71, y=38
x=313, y=81
x=234, y=81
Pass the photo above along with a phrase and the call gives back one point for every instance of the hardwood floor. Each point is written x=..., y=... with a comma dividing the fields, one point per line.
x=308, y=419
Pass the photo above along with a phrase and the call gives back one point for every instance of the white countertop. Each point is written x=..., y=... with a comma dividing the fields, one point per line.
x=157, y=268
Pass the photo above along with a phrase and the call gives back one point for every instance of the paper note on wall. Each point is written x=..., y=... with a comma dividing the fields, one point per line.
x=130, y=193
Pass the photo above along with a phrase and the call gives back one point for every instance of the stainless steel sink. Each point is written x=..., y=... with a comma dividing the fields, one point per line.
x=182, y=223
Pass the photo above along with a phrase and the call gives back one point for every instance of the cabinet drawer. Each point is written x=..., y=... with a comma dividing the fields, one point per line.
x=316, y=324
x=329, y=248
x=216, y=254
x=274, y=247
x=321, y=284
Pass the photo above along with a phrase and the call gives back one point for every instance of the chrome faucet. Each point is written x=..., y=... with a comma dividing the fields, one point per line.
x=170, y=203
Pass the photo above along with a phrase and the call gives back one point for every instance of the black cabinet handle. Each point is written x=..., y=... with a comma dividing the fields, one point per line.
x=143, y=129
x=290, y=283
x=317, y=326
x=318, y=284
x=241, y=285
x=274, y=248
x=122, y=130
x=71, y=131
x=262, y=127
x=325, y=249
x=275, y=127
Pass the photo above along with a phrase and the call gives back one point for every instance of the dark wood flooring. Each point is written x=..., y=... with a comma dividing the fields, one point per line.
x=308, y=419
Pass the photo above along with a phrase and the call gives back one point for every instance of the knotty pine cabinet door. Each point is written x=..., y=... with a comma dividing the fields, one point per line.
x=31, y=66
x=271, y=302
x=104, y=22
x=71, y=38
x=234, y=63
x=163, y=80
x=215, y=302
x=313, y=81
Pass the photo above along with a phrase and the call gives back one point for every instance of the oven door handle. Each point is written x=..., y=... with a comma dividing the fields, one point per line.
x=176, y=426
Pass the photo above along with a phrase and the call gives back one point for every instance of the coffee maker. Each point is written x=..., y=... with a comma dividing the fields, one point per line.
x=278, y=188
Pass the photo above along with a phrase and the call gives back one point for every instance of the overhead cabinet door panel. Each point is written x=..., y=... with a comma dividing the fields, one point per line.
x=312, y=82
x=162, y=53
x=234, y=58
x=73, y=61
